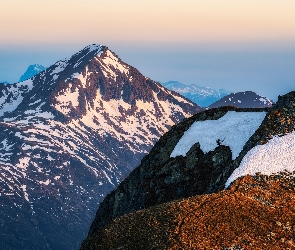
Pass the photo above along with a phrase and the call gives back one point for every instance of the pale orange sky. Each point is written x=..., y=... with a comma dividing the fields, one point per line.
x=234, y=44
x=186, y=21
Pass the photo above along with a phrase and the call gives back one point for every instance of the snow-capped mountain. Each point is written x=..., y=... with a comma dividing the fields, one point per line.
x=221, y=179
x=4, y=82
x=31, y=71
x=203, y=96
x=68, y=136
x=247, y=99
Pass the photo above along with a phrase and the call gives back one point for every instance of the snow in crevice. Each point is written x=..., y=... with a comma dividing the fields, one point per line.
x=24, y=189
x=276, y=156
x=66, y=99
x=35, y=102
x=90, y=48
x=4, y=145
x=59, y=66
x=233, y=130
x=111, y=62
x=264, y=100
x=12, y=95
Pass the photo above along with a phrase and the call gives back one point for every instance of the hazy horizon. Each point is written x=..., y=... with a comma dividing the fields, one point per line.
x=235, y=45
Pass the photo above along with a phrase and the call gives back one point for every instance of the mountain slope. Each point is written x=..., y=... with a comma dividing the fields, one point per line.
x=247, y=99
x=68, y=136
x=31, y=71
x=203, y=96
x=191, y=161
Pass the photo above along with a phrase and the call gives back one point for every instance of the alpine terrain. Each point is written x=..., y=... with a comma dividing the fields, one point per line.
x=247, y=99
x=221, y=179
x=68, y=136
x=31, y=71
x=203, y=96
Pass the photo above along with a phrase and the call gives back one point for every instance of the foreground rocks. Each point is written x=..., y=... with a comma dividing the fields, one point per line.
x=255, y=213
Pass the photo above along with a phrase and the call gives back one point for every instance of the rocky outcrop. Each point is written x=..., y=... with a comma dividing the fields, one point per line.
x=160, y=179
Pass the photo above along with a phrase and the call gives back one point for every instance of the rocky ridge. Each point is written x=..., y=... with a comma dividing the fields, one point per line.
x=161, y=179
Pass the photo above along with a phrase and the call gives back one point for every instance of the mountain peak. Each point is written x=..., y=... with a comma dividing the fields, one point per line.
x=31, y=71
x=69, y=135
x=246, y=99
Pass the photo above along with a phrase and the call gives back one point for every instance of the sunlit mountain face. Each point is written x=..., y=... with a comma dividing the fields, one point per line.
x=68, y=136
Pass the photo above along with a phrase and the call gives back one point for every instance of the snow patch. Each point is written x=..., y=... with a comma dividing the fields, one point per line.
x=277, y=155
x=59, y=67
x=12, y=96
x=233, y=130
x=24, y=188
x=264, y=100
x=45, y=182
x=23, y=163
x=35, y=102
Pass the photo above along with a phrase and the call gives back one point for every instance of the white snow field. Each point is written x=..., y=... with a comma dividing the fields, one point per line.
x=277, y=155
x=233, y=130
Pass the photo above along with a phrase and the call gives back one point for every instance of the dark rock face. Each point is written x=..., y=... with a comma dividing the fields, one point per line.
x=247, y=99
x=70, y=135
x=160, y=179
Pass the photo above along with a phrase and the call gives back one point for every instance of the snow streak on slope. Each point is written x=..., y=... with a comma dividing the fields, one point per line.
x=233, y=130
x=276, y=156
x=12, y=95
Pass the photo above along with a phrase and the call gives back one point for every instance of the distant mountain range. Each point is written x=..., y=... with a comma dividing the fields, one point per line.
x=31, y=71
x=221, y=179
x=68, y=136
x=247, y=99
x=203, y=96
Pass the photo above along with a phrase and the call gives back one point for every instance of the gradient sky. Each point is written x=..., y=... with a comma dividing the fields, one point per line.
x=234, y=44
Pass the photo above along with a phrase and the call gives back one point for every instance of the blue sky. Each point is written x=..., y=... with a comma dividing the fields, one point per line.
x=233, y=44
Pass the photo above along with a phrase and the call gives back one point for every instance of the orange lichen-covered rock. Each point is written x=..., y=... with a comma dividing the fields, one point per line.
x=255, y=213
